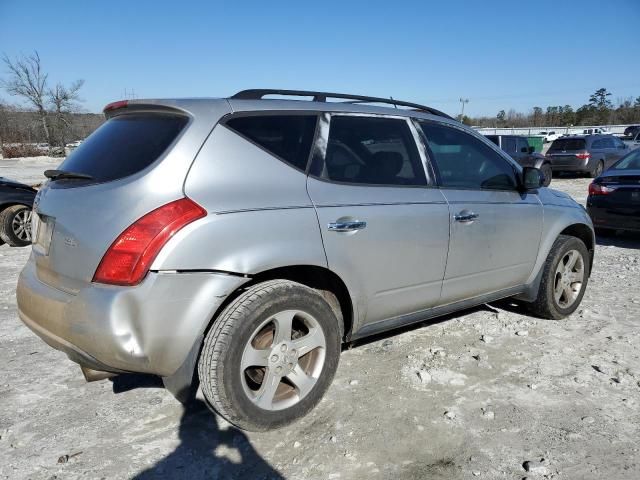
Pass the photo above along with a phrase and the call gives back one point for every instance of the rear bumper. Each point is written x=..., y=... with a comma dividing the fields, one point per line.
x=149, y=328
x=627, y=218
x=571, y=166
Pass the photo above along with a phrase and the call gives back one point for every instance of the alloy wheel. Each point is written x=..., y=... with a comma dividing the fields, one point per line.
x=568, y=279
x=283, y=360
x=21, y=225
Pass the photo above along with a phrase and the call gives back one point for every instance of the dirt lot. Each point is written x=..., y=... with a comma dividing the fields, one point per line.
x=472, y=396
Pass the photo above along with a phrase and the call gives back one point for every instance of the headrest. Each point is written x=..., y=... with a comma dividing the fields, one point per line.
x=386, y=164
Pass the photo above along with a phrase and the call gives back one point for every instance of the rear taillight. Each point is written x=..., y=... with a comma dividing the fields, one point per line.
x=598, y=189
x=115, y=105
x=128, y=259
x=583, y=156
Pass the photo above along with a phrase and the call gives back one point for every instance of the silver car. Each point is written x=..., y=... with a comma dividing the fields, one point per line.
x=238, y=242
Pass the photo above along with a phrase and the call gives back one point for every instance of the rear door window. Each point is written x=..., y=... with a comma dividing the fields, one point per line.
x=288, y=137
x=509, y=144
x=373, y=151
x=465, y=162
x=124, y=145
x=522, y=145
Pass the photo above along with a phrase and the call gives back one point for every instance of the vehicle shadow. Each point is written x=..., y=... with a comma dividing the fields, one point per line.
x=415, y=326
x=208, y=452
x=620, y=239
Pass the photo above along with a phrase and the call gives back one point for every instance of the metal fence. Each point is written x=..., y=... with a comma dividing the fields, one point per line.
x=528, y=131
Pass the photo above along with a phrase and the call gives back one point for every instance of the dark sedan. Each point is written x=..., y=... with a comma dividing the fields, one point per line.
x=16, y=202
x=614, y=197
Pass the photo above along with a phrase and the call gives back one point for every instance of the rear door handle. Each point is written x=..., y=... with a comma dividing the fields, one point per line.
x=346, y=226
x=465, y=216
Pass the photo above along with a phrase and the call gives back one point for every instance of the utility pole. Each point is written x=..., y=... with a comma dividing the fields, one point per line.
x=463, y=101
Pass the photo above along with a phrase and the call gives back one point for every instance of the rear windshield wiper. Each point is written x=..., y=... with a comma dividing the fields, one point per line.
x=61, y=174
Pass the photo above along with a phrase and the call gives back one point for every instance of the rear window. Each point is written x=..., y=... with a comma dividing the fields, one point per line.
x=288, y=137
x=568, y=144
x=124, y=145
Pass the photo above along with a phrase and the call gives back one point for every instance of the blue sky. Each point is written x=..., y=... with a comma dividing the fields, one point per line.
x=498, y=54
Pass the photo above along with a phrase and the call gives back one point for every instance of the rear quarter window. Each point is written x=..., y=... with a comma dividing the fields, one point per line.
x=124, y=145
x=288, y=137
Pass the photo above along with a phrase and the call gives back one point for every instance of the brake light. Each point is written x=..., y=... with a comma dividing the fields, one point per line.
x=583, y=156
x=128, y=259
x=597, y=189
x=115, y=105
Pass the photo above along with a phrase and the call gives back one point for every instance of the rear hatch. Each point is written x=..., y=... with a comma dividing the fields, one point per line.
x=568, y=152
x=135, y=162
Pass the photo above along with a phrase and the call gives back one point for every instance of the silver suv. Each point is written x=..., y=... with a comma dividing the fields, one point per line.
x=237, y=243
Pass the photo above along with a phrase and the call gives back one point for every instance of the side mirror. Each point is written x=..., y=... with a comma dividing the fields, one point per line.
x=531, y=149
x=532, y=178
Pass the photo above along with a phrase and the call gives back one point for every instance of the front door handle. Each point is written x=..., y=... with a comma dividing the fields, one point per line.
x=346, y=226
x=465, y=216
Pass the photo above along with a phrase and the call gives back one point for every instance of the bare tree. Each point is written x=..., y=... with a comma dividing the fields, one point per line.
x=27, y=80
x=65, y=101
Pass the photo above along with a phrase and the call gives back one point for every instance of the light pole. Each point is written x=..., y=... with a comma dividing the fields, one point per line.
x=463, y=101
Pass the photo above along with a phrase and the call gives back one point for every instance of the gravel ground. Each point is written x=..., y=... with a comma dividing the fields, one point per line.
x=474, y=395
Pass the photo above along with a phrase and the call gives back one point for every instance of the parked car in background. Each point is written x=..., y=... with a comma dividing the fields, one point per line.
x=631, y=131
x=519, y=149
x=596, y=131
x=614, y=197
x=16, y=202
x=248, y=238
x=549, y=136
x=590, y=154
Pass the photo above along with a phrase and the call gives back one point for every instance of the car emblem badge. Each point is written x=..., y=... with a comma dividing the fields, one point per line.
x=70, y=242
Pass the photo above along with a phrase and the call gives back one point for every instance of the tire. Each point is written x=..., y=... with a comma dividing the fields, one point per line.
x=598, y=170
x=546, y=304
x=15, y=226
x=548, y=174
x=248, y=330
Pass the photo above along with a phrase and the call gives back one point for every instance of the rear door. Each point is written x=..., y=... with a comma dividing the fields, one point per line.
x=495, y=229
x=384, y=226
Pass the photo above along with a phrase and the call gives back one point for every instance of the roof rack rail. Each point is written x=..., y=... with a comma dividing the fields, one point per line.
x=257, y=94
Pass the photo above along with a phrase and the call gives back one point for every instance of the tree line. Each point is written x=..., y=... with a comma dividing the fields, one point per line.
x=599, y=110
x=49, y=113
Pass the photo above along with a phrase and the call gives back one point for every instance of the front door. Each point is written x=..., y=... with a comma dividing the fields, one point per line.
x=495, y=229
x=385, y=228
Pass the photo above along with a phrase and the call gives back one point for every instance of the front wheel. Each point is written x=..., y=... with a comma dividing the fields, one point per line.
x=15, y=226
x=270, y=355
x=564, y=279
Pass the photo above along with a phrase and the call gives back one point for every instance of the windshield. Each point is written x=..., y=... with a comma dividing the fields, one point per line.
x=630, y=162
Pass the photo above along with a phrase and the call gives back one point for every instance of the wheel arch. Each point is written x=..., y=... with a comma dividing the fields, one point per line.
x=574, y=227
x=318, y=278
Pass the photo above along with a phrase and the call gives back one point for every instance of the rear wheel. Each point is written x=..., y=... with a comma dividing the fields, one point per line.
x=15, y=226
x=598, y=170
x=548, y=174
x=270, y=355
x=564, y=279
